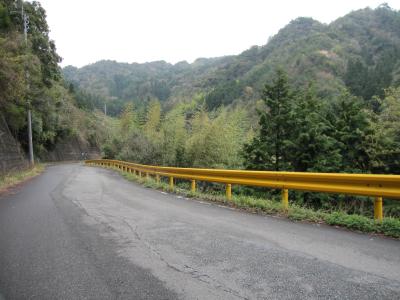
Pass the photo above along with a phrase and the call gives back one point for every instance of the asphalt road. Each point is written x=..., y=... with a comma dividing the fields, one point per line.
x=78, y=232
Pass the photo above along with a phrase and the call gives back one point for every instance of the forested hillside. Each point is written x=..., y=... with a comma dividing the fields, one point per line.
x=315, y=98
x=360, y=52
x=30, y=77
x=341, y=82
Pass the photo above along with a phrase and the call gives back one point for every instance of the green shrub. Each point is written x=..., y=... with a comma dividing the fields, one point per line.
x=350, y=221
x=299, y=213
x=390, y=227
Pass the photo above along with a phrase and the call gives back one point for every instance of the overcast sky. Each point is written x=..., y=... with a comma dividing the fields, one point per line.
x=86, y=31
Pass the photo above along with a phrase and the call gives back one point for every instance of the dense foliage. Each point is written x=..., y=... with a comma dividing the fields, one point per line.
x=186, y=135
x=299, y=132
x=30, y=77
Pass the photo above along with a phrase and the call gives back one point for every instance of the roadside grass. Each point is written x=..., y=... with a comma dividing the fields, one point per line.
x=389, y=226
x=13, y=178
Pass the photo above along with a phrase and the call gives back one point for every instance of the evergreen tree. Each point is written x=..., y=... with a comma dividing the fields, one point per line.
x=269, y=150
x=386, y=152
x=311, y=148
x=350, y=126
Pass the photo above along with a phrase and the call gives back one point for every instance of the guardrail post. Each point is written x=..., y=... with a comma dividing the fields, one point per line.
x=171, y=183
x=158, y=178
x=140, y=174
x=229, y=191
x=193, y=186
x=285, y=199
x=378, y=209
x=147, y=175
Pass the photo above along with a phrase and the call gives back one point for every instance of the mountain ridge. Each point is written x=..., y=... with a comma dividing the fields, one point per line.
x=307, y=49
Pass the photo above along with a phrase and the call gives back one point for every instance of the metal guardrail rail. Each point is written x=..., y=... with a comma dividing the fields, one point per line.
x=378, y=186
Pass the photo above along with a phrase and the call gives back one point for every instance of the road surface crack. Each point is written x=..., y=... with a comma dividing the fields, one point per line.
x=195, y=274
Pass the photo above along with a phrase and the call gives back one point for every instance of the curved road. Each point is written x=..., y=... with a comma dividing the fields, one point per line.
x=78, y=232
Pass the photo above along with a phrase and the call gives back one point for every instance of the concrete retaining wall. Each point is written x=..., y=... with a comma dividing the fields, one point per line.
x=72, y=149
x=11, y=155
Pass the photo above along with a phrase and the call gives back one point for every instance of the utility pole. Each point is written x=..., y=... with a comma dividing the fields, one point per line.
x=25, y=20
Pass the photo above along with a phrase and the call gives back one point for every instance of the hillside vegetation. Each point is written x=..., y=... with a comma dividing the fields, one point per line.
x=316, y=97
x=360, y=52
x=30, y=77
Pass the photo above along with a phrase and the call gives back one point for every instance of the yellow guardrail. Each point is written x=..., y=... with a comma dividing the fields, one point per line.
x=378, y=186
